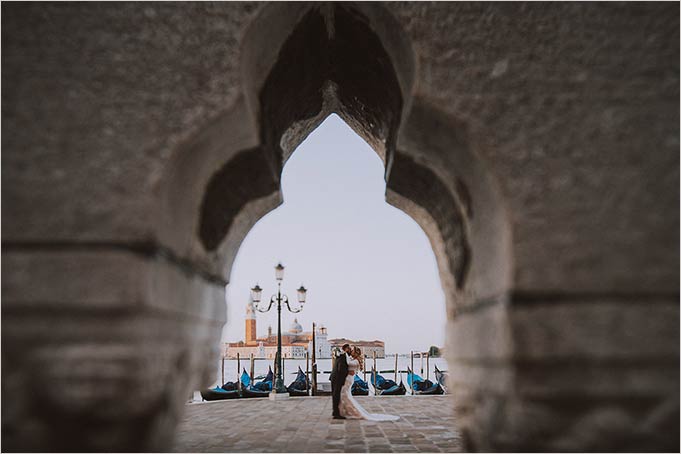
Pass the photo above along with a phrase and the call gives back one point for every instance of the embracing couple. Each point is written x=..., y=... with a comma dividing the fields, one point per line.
x=348, y=363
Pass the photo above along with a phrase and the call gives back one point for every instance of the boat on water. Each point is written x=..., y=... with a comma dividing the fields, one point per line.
x=299, y=386
x=387, y=387
x=359, y=387
x=421, y=386
x=218, y=393
x=229, y=390
x=260, y=389
x=441, y=377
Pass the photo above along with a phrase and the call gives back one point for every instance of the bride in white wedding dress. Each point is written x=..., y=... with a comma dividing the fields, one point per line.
x=348, y=406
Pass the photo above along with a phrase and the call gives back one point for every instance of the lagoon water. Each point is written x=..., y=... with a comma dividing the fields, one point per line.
x=385, y=366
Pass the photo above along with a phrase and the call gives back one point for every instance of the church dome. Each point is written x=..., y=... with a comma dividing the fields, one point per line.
x=296, y=328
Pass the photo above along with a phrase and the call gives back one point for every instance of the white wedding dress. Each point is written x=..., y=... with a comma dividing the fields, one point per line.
x=349, y=407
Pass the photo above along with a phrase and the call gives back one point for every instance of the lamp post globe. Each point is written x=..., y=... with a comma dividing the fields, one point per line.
x=302, y=293
x=256, y=292
x=279, y=272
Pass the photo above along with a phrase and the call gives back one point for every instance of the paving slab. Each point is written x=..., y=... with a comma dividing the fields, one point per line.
x=426, y=424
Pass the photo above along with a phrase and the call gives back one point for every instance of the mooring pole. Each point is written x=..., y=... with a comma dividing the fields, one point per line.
x=375, y=373
x=412, y=372
x=427, y=366
x=252, y=368
x=307, y=373
x=395, y=367
x=238, y=373
x=223, y=369
x=314, y=359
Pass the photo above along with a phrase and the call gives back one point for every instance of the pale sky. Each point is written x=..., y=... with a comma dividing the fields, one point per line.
x=368, y=267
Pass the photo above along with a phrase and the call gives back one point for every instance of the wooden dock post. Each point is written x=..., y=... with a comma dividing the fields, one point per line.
x=375, y=373
x=238, y=371
x=307, y=373
x=427, y=366
x=252, y=368
x=223, y=369
x=412, y=373
x=314, y=359
x=395, y=367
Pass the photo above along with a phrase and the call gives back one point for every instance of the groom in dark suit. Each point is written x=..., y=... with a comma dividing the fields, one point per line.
x=338, y=376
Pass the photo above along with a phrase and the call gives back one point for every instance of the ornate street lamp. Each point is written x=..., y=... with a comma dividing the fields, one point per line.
x=256, y=293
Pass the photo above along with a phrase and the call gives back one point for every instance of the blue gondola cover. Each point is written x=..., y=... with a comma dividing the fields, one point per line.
x=266, y=384
x=245, y=379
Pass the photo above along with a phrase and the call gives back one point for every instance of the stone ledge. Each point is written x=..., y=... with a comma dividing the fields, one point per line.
x=105, y=280
x=570, y=378
x=604, y=329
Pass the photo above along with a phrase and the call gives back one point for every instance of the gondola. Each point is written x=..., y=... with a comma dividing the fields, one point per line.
x=386, y=387
x=441, y=378
x=396, y=390
x=299, y=386
x=421, y=386
x=219, y=393
x=359, y=387
x=229, y=390
x=260, y=389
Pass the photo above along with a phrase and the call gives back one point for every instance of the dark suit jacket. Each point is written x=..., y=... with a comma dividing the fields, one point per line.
x=340, y=370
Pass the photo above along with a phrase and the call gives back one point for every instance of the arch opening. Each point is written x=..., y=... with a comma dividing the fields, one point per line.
x=363, y=260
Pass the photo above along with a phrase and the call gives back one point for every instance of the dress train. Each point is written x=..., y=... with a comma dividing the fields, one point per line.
x=351, y=409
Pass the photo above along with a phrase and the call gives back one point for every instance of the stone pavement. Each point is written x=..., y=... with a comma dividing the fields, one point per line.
x=304, y=425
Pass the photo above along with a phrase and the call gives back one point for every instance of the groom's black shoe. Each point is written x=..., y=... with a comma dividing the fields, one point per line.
x=338, y=417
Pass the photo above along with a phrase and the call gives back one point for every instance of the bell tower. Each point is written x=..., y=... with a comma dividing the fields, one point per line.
x=250, y=324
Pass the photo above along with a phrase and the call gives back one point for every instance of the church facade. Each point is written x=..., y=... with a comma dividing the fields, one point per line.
x=295, y=342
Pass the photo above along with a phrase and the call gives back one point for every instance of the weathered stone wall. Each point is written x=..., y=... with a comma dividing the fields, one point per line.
x=574, y=108
x=537, y=146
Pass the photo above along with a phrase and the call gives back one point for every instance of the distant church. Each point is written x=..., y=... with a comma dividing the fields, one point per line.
x=294, y=343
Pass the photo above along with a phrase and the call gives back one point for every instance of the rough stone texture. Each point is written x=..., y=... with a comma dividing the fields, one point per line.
x=567, y=103
x=113, y=89
x=426, y=425
x=574, y=375
x=549, y=133
x=578, y=89
x=111, y=338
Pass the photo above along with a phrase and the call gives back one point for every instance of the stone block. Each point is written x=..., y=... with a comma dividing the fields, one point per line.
x=482, y=335
x=107, y=278
x=571, y=363
x=128, y=336
x=642, y=328
x=80, y=279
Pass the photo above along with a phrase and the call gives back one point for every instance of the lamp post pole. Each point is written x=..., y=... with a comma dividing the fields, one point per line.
x=278, y=388
x=279, y=382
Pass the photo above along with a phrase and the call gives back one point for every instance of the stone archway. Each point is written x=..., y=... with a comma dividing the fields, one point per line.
x=118, y=118
x=351, y=60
